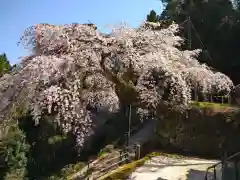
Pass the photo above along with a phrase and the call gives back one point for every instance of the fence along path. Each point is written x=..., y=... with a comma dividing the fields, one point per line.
x=102, y=166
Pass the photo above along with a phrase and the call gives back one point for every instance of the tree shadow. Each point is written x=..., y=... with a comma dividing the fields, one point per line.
x=198, y=175
x=192, y=174
x=164, y=165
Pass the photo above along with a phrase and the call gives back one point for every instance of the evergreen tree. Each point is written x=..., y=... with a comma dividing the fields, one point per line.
x=152, y=16
x=214, y=28
x=5, y=66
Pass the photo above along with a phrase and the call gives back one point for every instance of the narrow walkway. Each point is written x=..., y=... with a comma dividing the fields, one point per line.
x=144, y=134
x=140, y=137
x=165, y=168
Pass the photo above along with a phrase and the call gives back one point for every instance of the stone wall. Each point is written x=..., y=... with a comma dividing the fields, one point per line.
x=206, y=129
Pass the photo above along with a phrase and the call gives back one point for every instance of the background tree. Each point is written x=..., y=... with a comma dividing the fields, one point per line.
x=153, y=17
x=215, y=29
x=5, y=66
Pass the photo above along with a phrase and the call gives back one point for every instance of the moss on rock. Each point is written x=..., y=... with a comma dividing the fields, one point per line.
x=205, y=129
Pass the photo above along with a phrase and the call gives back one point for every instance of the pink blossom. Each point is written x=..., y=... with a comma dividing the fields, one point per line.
x=75, y=71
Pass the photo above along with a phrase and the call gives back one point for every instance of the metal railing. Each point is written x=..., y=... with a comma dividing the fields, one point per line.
x=214, y=171
x=231, y=159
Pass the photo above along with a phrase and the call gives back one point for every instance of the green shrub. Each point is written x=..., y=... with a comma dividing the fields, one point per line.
x=67, y=171
x=16, y=174
x=210, y=105
x=14, y=149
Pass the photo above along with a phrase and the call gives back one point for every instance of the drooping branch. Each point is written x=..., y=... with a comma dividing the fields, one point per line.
x=77, y=73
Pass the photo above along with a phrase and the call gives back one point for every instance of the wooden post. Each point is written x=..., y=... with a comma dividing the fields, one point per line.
x=129, y=124
x=137, y=155
x=229, y=99
x=195, y=93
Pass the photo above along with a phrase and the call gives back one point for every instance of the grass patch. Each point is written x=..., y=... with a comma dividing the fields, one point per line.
x=101, y=153
x=155, y=154
x=214, y=108
x=106, y=150
x=124, y=171
x=210, y=105
x=56, y=139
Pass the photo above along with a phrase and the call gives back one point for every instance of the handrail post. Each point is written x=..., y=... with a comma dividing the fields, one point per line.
x=214, y=173
x=206, y=175
x=236, y=169
x=224, y=161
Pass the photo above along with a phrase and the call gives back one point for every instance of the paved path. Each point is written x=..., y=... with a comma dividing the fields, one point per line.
x=165, y=168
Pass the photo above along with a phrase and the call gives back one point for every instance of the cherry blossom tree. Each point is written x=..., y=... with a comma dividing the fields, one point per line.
x=78, y=75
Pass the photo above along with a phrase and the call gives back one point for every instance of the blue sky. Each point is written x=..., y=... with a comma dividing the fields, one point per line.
x=17, y=15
